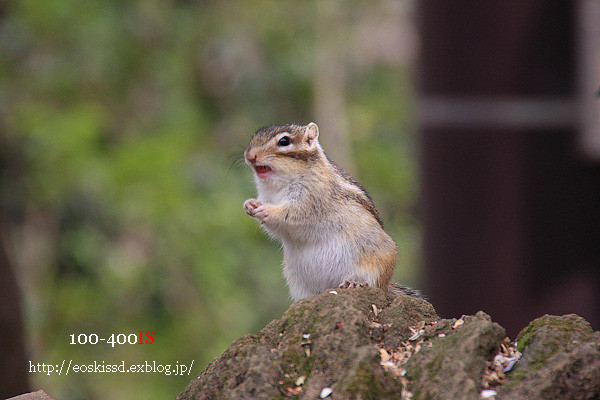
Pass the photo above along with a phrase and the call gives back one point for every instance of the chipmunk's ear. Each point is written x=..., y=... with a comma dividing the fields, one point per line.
x=312, y=133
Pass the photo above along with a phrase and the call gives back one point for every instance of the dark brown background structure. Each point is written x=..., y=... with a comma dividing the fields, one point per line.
x=13, y=363
x=510, y=204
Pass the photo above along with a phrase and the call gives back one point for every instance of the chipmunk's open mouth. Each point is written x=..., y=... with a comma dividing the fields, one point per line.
x=263, y=171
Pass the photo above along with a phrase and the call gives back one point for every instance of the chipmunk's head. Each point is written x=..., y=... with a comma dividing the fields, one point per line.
x=283, y=149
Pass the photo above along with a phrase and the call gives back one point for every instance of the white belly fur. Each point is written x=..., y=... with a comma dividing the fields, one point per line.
x=317, y=256
x=313, y=267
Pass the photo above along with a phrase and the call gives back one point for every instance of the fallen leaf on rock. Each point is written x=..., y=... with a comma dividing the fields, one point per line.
x=295, y=390
x=487, y=394
x=458, y=323
x=418, y=326
x=511, y=363
x=384, y=354
x=416, y=335
x=325, y=392
x=375, y=310
x=393, y=361
x=495, y=372
x=306, y=342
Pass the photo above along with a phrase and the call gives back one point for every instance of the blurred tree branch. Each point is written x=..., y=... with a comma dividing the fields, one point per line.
x=329, y=81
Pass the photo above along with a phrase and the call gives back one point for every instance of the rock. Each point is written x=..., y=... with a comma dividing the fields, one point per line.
x=453, y=366
x=401, y=314
x=357, y=344
x=561, y=359
x=39, y=395
x=326, y=338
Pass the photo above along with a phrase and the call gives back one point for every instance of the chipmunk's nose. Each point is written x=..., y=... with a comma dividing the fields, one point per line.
x=251, y=155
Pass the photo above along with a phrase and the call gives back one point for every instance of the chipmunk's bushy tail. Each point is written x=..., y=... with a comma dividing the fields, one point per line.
x=396, y=289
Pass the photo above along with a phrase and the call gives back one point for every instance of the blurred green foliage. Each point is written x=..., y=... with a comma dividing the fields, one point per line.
x=123, y=125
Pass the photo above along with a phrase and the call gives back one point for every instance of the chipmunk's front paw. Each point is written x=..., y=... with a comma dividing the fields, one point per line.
x=264, y=212
x=251, y=205
x=258, y=210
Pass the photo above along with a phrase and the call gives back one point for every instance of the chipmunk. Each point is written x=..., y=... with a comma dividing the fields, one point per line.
x=326, y=221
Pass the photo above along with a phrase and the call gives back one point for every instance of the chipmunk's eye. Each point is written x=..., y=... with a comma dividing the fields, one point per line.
x=284, y=141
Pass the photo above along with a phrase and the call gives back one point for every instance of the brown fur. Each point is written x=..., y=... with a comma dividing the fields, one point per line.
x=300, y=155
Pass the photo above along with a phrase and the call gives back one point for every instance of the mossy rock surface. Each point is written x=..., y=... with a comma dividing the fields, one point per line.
x=561, y=360
x=334, y=341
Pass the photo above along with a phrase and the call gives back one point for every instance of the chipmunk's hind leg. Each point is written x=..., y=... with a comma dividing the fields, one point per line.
x=353, y=285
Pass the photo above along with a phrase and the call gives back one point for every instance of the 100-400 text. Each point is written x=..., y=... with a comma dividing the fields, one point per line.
x=141, y=337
